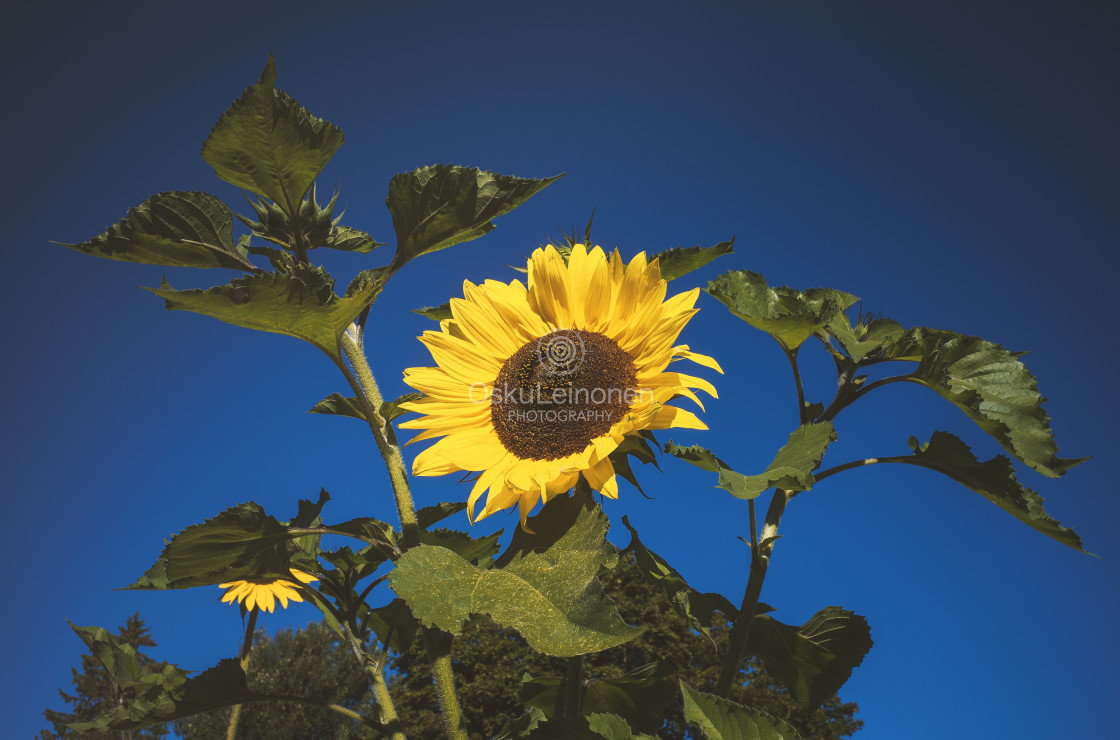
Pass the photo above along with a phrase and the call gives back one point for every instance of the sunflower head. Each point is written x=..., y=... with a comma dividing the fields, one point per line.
x=536, y=386
x=263, y=593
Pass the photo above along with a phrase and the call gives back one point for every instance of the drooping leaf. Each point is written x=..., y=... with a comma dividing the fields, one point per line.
x=436, y=513
x=441, y=312
x=861, y=339
x=994, y=480
x=991, y=386
x=545, y=586
x=442, y=205
x=269, y=144
x=338, y=404
x=788, y=315
x=815, y=659
x=720, y=719
x=176, y=229
x=680, y=261
x=639, y=697
x=791, y=469
x=300, y=304
x=696, y=607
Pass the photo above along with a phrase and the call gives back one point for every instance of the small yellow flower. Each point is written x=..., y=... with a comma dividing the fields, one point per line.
x=263, y=592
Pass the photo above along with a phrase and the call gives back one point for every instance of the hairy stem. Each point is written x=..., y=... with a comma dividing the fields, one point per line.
x=246, y=648
x=573, y=695
x=438, y=645
x=760, y=561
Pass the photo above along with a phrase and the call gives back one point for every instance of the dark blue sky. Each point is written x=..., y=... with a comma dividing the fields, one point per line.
x=953, y=164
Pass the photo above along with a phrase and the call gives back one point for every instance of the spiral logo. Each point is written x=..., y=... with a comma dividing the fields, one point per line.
x=561, y=352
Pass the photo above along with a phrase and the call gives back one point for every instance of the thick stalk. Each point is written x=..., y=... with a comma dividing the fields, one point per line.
x=438, y=648
x=376, y=671
x=573, y=695
x=760, y=561
x=246, y=648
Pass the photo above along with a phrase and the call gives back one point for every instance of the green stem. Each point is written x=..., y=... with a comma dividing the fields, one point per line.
x=573, y=698
x=818, y=477
x=845, y=396
x=760, y=561
x=802, y=411
x=369, y=395
x=246, y=648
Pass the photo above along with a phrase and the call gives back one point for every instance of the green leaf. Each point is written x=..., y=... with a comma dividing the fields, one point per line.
x=442, y=205
x=392, y=409
x=441, y=312
x=478, y=551
x=991, y=386
x=815, y=659
x=792, y=468
x=394, y=625
x=177, y=229
x=637, y=698
x=545, y=586
x=788, y=315
x=680, y=261
x=720, y=719
x=436, y=513
x=613, y=727
x=864, y=339
x=345, y=239
x=994, y=480
x=341, y=405
x=696, y=607
x=564, y=728
x=119, y=658
x=637, y=447
x=269, y=144
x=300, y=304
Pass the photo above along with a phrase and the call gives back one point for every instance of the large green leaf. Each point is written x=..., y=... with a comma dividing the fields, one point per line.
x=791, y=469
x=696, y=607
x=177, y=229
x=991, y=386
x=788, y=315
x=639, y=697
x=720, y=719
x=680, y=261
x=815, y=659
x=442, y=205
x=994, y=480
x=300, y=303
x=546, y=586
x=269, y=144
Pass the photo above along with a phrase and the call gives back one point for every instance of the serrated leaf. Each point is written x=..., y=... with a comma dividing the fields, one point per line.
x=441, y=312
x=545, y=588
x=176, y=229
x=994, y=480
x=696, y=607
x=301, y=304
x=680, y=261
x=815, y=659
x=346, y=239
x=613, y=727
x=863, y=339
x=442, y=205
x=436, y=513
x=478, y=551
x=340, y=405
x=119, y=658
x=269, y=144
x=991, y=386
x=792, y=468
x=720, y=719
x=790, y=316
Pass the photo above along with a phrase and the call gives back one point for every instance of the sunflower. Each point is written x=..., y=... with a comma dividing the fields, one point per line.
x=263, y=592
x=537, y=386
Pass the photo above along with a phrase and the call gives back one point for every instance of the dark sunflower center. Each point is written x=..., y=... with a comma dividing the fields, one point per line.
x=559, y=392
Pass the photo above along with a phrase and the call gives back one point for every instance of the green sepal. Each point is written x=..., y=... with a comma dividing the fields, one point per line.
x=175, y=229
x=441, y=312
x=680, y=261
x=792, y=468
x=301, y=303
x=790, y=316
x=721, y=719
x=696, y=607
x=814, y=660
x=545, y=586
x=991, y=386
x=441, y=205
x=269, y=144
x=638, y=698
x=993, y=479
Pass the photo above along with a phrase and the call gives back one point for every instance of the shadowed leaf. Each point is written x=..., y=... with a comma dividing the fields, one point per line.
x=720, y=719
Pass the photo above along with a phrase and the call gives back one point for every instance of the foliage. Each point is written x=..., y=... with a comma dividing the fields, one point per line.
x=96, y=692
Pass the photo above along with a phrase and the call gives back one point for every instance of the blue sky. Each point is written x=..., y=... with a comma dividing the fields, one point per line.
x=953, y=164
